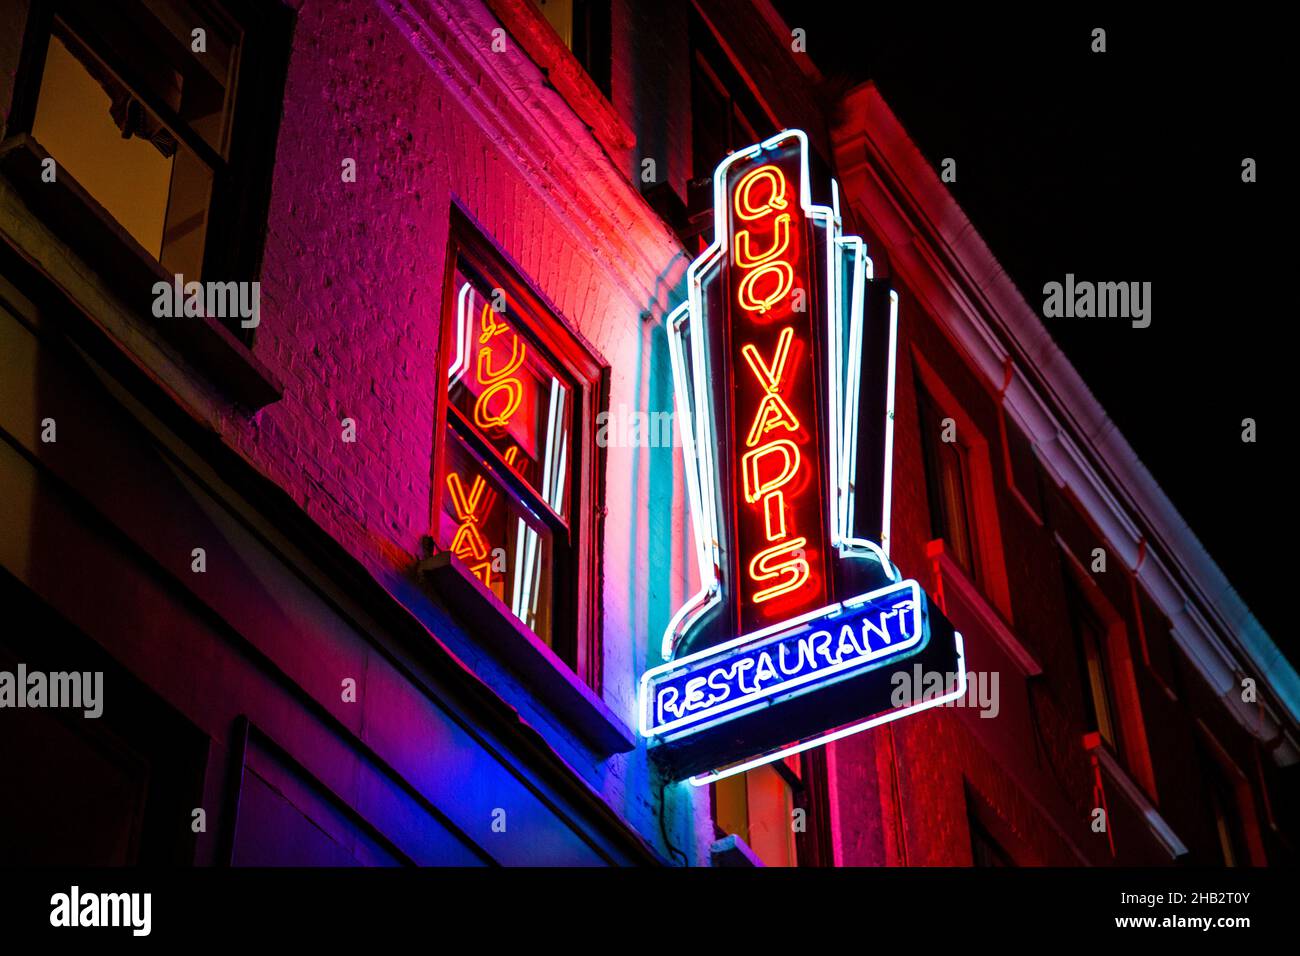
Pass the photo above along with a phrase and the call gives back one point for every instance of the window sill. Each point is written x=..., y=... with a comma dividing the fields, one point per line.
x=91, y=235
x=526, y=23
x=732, y=851
x=951, y=582
x=507, y=639
x=1160, y=829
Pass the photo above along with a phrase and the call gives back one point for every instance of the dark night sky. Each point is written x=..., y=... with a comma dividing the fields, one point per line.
x=1126, y=166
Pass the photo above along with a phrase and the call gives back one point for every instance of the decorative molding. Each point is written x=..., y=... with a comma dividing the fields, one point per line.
x=530, y=28
x=532, y=125
x=934, y=249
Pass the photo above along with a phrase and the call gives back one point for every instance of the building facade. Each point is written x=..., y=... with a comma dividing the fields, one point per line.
x=373, y=554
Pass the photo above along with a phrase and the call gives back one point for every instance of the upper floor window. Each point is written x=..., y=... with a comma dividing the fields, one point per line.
x=515, y=496
x=164, y=112
x=1091, y=640
x=1231, y=804
x=584, y=26
x=947, y=480
x=725, y=114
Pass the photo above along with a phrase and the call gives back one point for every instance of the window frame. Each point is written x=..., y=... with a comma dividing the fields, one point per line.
x=1132, y=751
x=707, y=55
x=590, y=39
x=931, y=417
x=989, y=576
x=235, y=237
x=1215, y=761
x=575, y=626
x=809, y=791
x=1095, y=666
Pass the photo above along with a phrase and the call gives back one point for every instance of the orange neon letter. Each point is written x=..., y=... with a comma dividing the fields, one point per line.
x=751, y=301
x=499, y=380
x=755, y=486
x=780, y=242
x=785, y=561
x=773, y=412
x=468, y=539
x=775, y=201
x=769, y=376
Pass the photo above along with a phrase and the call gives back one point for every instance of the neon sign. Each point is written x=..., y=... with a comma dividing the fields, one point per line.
x=508, y=396
x=499, y=395
x=783, y=368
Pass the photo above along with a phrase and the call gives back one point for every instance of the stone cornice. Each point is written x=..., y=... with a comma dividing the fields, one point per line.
x=539, y=132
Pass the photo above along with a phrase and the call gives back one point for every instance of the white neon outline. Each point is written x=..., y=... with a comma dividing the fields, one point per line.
x=526, y=589
x=691, y=388
x=713, y=776
x=723, y=712
x=463, y=320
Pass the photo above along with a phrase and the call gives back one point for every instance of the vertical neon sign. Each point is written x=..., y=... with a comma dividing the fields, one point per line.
x=778, y=561
x=783, y=368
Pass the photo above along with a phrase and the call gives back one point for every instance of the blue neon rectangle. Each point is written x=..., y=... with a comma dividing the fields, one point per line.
x=788, y=660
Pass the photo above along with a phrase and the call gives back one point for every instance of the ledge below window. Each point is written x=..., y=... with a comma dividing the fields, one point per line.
x=1160, y=829
x=971, y=608
x=514, y=645
x=91, y=235
x=732, y=851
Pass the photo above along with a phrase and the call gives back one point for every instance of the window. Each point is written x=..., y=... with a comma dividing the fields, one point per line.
x=1023, y=475
x=584, y=26
x=1090, y=635
x=1227, y=819
x=986, y=851
x=725, y=115
x=760, y=806
x=164, y=112
x=514, y=497
x=1231, y=805
x=947, y=482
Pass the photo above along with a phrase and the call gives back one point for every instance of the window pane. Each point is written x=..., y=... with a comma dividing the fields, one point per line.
x=158, y=42
x=1090, y=633
x=731, y=806
x=502, y=543
x=506, y=388
x=1100, y=691
x=205, y=76
x=945, y=477
x=559, y=13
x=952, y=480
x=771, y=821
x=120, y=153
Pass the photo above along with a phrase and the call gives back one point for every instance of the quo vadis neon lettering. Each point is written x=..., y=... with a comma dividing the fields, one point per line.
x=500, y=394
x=784, y=341
x=768, y=262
